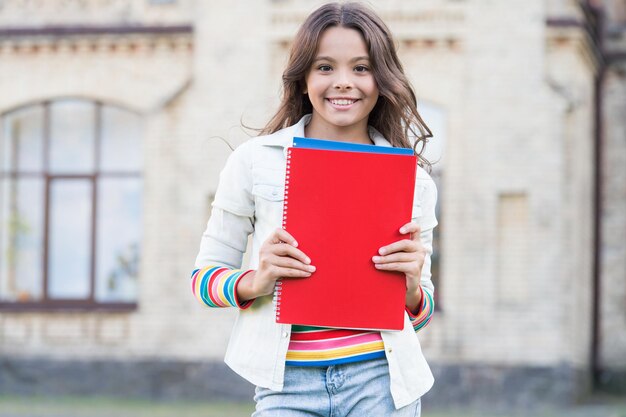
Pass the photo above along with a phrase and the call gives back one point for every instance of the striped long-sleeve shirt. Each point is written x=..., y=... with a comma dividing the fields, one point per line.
x=216, y=286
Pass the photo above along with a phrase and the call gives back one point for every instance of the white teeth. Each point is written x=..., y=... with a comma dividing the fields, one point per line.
x=342, y=102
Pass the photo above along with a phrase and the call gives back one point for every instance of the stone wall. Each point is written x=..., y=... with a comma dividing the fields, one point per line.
x=516, y=188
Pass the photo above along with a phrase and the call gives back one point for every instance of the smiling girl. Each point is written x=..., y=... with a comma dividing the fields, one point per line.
x=343, y=82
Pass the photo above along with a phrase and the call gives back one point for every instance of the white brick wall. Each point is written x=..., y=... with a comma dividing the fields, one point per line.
x=518, y=103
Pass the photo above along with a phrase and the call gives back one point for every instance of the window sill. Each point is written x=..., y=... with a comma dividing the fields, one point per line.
x=66, y=305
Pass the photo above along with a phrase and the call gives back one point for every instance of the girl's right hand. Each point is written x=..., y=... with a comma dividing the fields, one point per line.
x=279, y=257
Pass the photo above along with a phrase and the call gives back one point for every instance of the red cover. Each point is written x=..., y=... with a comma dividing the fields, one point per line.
x=342, y=207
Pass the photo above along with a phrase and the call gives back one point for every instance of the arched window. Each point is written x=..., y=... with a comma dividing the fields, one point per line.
x=70, y=205
x=435, y=118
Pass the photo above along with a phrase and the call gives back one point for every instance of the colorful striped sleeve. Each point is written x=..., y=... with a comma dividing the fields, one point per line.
x=422, y=318
x=216, y=286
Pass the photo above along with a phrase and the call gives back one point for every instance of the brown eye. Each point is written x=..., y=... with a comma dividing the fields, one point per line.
x=361, y=68
x=324, y=68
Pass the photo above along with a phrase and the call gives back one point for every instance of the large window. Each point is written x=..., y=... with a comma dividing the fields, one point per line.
x=70, y=205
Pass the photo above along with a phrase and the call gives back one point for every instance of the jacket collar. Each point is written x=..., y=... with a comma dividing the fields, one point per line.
x=284, y=137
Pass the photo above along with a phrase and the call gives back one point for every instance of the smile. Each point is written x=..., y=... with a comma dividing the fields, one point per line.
x=342, y=101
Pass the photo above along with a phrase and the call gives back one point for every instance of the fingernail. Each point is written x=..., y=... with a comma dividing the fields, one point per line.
x=295, y=243
x=376, y=258
x=402, y=230
x=311, y=268
x=307, y=260
x=382, y=251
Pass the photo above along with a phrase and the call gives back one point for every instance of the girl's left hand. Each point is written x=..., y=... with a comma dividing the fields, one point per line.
x=405, y=256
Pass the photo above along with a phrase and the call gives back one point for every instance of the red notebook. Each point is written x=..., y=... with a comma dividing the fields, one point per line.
x=342, y=207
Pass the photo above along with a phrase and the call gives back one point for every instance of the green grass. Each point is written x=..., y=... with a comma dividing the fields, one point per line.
x=15, y=406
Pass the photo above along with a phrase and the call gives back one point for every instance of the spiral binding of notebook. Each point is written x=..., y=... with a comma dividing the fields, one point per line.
x=278, y=285
x=286, y=199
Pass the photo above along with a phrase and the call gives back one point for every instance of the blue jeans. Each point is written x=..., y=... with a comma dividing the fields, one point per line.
x=358, y=389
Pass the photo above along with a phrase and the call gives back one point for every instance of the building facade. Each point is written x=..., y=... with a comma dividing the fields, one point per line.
x=116, y=118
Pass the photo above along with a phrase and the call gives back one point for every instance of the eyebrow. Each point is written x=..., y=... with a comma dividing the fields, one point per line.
x=355, y=59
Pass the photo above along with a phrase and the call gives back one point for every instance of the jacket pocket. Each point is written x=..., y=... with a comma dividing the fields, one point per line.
x=416, y=213
x=268, y=192
x=268, y=206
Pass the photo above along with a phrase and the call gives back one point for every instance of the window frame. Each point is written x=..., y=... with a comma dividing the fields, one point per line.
x=62, y=304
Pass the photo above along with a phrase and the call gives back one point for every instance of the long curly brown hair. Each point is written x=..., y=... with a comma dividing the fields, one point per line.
x=395, y=114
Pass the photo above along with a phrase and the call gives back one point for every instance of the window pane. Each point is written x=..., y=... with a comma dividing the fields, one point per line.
x=69, y=243
x=119, y=238
x=121, y=140
x=21, y=239
x=72, y=125
x=21, y=140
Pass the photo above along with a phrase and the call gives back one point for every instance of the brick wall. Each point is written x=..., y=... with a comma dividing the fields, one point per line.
x=516, y=201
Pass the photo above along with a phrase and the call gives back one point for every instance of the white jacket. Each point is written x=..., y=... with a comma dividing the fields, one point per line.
x=248, y=201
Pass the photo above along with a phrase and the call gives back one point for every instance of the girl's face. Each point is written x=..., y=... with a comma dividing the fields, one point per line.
x=341, y=87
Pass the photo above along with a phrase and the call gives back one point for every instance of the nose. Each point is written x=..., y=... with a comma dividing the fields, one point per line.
x=343, y=81
x=343, y=85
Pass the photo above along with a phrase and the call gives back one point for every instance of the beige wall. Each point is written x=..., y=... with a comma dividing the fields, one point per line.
x=517, y=181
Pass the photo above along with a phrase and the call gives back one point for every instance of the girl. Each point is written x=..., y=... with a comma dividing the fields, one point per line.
x=343, y=82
